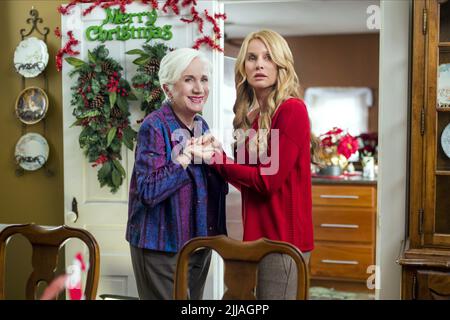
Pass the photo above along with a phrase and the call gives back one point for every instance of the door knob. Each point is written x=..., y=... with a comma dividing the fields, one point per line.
x=73, y=214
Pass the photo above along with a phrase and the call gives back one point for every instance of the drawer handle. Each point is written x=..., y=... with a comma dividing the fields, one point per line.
x=333, y=196
x=337, y=225
x=339, y=261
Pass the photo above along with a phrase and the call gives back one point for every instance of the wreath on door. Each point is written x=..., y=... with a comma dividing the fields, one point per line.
x=100, y=100
x=146, y=81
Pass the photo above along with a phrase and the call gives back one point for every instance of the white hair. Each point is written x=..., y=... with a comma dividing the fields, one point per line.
x=175, y=62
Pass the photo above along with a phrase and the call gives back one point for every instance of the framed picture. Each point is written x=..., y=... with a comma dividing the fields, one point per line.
x=443, y=93
x=31, y=105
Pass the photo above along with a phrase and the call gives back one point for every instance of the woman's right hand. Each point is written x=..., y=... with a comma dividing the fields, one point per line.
x=201, y=152
x=209, y=139
x=198, y=151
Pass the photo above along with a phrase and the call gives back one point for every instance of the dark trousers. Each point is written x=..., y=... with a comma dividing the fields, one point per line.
x=155, y=272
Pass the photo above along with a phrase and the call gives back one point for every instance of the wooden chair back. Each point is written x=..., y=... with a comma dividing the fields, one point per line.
x=46, y=242
x=241, y=261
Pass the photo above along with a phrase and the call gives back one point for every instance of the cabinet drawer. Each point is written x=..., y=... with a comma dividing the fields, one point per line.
x=340, y=195
x=344, y=224
x=341, y=261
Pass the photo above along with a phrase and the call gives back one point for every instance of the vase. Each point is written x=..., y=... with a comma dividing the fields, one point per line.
x=333, y=170
x=368, y=164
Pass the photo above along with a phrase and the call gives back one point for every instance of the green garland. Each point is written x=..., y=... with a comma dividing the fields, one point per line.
x=100, y=101
x=146, y=81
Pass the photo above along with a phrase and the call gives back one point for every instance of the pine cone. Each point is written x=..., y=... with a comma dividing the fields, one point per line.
x=98, y=101
x=155, y=94
x=154, y=62
x=152, y=67
x=107, y=67
x=85, y=77
x=116, y=113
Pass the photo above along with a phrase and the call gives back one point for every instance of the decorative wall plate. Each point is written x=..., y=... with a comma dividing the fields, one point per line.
x=31, y=151
x=31, y=105
x=445, y=140
x=31, y=57
x=443, y=94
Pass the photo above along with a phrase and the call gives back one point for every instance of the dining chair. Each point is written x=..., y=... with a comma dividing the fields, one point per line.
x=46, y=242
x=241, y=265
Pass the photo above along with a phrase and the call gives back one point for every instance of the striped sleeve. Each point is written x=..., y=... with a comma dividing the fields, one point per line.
x=157, y=178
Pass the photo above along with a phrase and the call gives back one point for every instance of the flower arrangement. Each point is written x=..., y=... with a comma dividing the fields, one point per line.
x=337, y=146
x=368, y=144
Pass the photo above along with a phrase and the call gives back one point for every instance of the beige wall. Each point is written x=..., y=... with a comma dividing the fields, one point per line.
x=334, y=60
x=32, y=197
x=393, y=141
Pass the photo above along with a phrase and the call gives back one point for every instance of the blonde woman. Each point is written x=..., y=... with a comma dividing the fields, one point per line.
x=276, y=204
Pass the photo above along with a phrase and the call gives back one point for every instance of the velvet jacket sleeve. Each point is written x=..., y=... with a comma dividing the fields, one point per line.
x=294, y=131
x=157, y=176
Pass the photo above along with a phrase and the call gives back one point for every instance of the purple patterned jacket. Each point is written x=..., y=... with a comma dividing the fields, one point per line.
x=168, y=204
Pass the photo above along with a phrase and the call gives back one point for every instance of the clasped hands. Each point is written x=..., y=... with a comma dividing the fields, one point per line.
x=199, y=150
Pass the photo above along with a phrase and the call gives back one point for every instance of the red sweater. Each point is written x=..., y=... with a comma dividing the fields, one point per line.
x=278, y=206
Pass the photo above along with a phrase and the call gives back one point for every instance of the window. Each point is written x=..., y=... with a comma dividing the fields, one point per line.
x=346, y=108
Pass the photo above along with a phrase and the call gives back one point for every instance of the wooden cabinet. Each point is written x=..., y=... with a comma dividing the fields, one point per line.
x=425, y=274
x=432, y=285
x=425, y=258
x=344, y=231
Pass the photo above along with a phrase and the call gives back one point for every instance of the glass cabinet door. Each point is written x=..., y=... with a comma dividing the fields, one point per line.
x=437, y=132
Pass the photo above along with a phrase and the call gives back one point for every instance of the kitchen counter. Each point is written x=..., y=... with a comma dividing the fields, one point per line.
x=317, y=179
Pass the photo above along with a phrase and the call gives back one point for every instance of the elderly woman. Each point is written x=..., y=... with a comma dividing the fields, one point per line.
x=174, y=196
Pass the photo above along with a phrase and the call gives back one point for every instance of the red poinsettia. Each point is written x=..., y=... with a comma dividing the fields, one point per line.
x=336, y=142
x=347, y=146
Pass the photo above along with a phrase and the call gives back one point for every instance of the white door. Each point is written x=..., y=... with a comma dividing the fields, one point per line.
x=100, y=212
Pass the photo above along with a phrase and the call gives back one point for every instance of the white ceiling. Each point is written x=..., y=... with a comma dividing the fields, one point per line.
x=297, y=17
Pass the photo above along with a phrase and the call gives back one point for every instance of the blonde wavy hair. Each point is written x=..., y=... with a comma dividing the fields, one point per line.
x=286, y=86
